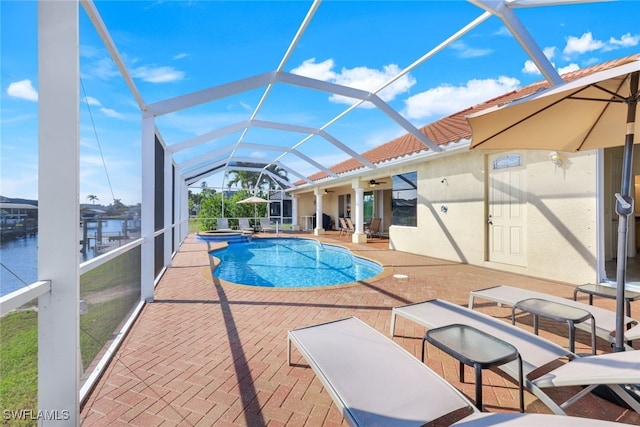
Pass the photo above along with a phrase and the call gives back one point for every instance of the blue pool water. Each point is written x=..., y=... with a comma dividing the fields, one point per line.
x=291, y=263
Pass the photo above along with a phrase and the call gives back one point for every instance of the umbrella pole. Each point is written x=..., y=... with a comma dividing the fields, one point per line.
x=624, y=208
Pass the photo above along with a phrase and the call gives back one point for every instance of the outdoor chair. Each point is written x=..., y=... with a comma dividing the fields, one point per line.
x=265, y=225
x=536, y=353
x=350, y=225
x=373, y=229
x=605, y=320
x=375, y=382
x=223, y=224
x=372, y=380
x=344, y=228
x=243, y=224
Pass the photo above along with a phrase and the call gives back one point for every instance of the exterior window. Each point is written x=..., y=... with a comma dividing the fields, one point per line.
x=508, y=161
x=367, y=205
x=344, y=206
x=404, y=200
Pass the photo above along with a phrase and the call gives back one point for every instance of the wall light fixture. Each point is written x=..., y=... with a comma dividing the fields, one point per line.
x=555, y=158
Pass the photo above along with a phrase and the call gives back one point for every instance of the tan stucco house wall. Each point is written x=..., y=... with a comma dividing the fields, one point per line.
x=561, y=215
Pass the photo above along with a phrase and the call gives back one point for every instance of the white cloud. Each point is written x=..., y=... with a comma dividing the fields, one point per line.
x=503, y=31
x=549, y=52
x=447, y=99
x=111, y=113
x=531, y=68
x=587, y=43
x=626, y=40
x=158, y=75
x=319, y=71
x=181, y=56
x=246, y=106
x=103, y=69
x=465, y=51
x=23, y=90
x=89, y=51
x=369, y=79
x=258, y=155
x=568, y=68
x=582, y=44
x=363, y=78
x=90, y=100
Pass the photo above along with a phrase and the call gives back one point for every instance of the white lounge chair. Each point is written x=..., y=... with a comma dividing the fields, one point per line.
x=486, y=419
x=536, y=352
x=243, y=224
x=375, y=382
x=610, y=369
x=265, y=225
x=223, y=224
x=605, y=320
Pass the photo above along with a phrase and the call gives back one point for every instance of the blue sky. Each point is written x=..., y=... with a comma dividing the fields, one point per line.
x=173, y=48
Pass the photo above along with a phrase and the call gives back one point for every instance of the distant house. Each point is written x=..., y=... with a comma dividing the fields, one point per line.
x=14, y=213
x=91, y=213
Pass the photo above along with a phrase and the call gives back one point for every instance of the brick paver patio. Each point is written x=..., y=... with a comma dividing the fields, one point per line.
x=206, y=353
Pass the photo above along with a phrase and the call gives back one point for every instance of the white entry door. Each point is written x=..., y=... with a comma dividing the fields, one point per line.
x=507, y=210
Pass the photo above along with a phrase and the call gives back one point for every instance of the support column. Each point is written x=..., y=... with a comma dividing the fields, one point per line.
x=180, y=206
x=168, y=209
x=380, y=202
x=185, y=206
x=147, y=227
x=318, y=231
x=358, y=236
x=59, y=362
x=294, y=214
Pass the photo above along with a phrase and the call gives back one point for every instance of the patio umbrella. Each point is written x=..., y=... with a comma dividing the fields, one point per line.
x=595, y=111
x=255, y=200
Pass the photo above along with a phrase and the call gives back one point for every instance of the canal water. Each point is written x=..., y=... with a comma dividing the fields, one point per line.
x=19, y=267
x=19, y=257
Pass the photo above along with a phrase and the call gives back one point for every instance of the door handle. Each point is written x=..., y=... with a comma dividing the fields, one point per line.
x=490, y=221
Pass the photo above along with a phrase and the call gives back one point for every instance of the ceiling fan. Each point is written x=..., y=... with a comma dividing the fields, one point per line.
x=373, y=183
x=328, y=191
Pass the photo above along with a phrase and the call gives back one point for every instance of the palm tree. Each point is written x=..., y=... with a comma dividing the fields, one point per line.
x=92, y=198
x=245, y=179
x=278, y=171
x=256, y=179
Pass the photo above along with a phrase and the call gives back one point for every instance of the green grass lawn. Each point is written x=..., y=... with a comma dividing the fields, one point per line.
x=19, y=330
x=101, y=322
x=19, y=363
x=123, y=269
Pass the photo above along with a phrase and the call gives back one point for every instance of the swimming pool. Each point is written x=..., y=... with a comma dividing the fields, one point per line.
x=291, y=263
x=223, y=236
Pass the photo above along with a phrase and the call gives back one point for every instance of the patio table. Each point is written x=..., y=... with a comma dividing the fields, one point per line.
x=606, y=292
x=559, y=312
x=473, y=347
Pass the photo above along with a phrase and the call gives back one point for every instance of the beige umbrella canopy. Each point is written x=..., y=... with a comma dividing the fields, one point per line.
x=255, y=200
x=584, y=114
x=596, y=111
